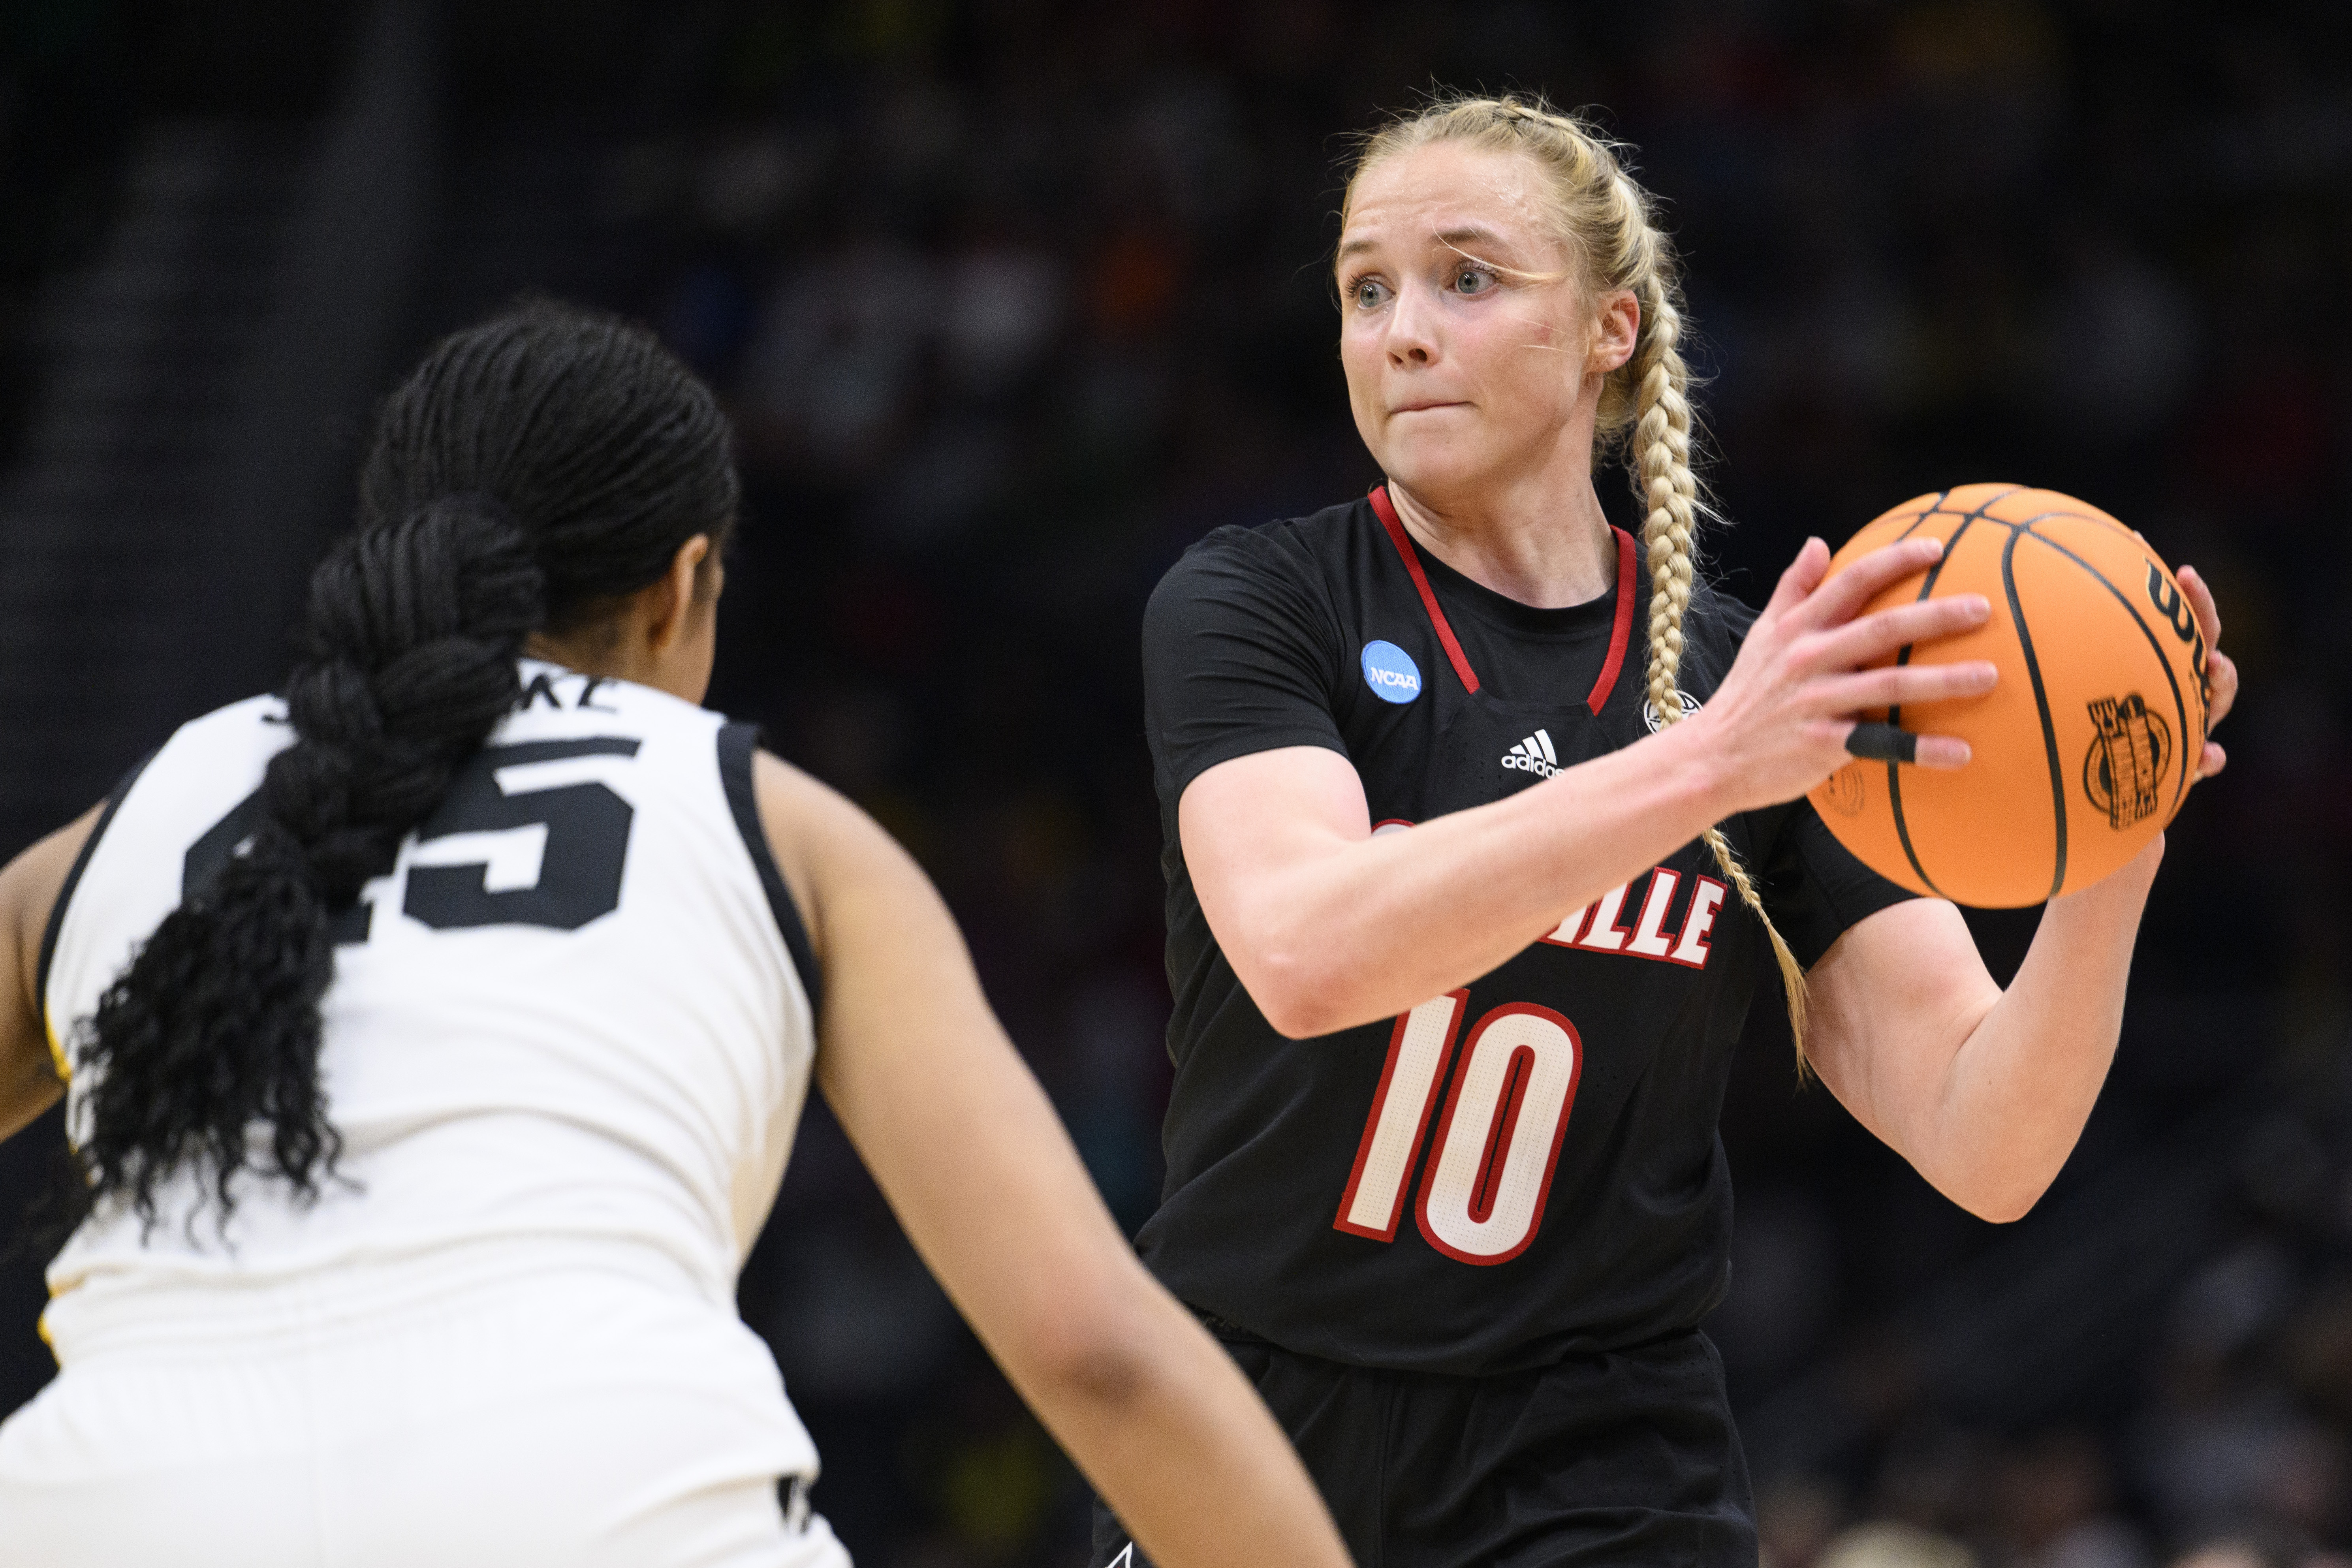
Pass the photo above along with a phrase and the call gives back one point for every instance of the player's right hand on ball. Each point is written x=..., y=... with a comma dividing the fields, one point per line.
x=1779, y=722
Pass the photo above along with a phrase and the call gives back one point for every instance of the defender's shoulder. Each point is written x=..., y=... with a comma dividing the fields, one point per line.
x=266, y=709
x=251, y=731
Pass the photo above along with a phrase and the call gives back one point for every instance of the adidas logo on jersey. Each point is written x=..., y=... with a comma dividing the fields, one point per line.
x=1533, y=755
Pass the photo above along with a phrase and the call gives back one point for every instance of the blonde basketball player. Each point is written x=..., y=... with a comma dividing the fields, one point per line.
x=434, y=1037
x=1485, y=820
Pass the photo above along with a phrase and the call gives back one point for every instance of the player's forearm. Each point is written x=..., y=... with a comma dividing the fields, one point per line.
x=1164, y=1425
x=967, y=1149
x=2022, y=1086
x=1368, y=930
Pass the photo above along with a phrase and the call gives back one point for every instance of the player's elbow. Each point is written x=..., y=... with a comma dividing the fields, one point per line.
x=2004, y=1207
x=1083, y=1347
x=1293, y=1019
x=1100, y=1370
x=1997, y=1178
x=1299, y=996
x=1288, y=954
x=1997, y=1195
x=1998, y=1211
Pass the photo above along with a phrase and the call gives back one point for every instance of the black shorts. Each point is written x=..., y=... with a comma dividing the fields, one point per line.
x=1627, y=1457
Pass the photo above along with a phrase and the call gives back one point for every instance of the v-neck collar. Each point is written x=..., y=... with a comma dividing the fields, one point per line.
x=1621, y=628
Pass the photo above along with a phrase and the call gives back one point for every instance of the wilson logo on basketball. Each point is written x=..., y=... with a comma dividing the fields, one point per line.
x=2124, y=769
x=2174, y=609
x=2083, y=612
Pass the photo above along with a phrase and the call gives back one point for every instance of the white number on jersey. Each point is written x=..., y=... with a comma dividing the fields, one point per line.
x=586, y=848
x=1484, y=1187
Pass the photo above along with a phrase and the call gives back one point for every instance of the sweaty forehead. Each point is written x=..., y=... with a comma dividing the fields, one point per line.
x=1409, y=199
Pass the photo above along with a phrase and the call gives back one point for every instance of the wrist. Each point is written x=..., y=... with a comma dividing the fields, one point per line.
x=1697, y=771
x=2127, y=886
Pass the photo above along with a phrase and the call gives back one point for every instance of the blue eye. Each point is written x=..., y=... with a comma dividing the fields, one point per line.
x=1367, y=293
x=1473, y=280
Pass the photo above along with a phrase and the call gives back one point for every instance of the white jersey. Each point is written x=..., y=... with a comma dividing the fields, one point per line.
x=580, y=1005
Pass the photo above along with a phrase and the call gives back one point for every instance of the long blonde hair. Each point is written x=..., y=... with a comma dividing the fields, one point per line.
x=1609, y=228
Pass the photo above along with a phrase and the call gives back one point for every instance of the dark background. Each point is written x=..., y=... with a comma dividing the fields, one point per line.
x=1012, y=301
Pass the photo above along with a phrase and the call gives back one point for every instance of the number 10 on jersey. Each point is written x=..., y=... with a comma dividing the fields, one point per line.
x=1483, y=1189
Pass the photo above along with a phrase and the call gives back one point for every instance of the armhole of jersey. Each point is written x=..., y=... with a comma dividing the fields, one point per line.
x=736, y=744
x=57, y=920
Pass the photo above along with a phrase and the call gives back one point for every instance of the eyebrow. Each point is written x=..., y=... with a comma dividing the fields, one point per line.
x=1457, y=239
x=1467, y=234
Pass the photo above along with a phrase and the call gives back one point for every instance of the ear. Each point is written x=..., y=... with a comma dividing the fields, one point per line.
x=1616, y=327
x=669, y=602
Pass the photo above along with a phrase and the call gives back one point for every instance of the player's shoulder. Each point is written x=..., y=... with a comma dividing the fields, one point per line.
x=265, y=711
x=1328, y=537
x=552, y=703
x=1289, y=566
x=1296, y=548
x=249, y=730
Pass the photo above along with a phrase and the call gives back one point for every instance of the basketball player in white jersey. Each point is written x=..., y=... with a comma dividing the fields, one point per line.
x=433, y=1034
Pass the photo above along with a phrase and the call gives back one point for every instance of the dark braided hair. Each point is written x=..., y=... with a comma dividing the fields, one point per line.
x=530, y=474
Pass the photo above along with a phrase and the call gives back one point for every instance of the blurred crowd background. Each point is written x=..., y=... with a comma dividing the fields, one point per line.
x=1011, y=301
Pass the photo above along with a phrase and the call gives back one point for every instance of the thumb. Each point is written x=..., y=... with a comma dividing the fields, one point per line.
x=1804, y=574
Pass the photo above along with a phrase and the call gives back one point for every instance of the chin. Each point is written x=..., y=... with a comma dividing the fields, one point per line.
x=1433, y=469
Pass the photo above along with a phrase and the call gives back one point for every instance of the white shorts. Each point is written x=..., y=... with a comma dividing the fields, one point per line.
x=571, y=1412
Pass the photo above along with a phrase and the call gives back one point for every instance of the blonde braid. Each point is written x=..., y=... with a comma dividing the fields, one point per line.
x=1661, y=445
x=1604, y=218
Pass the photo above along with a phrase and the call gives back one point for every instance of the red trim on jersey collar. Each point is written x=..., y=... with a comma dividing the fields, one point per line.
x=1620, y=633
x=1623, y=631
x=1390, y=521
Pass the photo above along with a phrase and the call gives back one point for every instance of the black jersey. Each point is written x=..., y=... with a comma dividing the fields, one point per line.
x=1527, y=1167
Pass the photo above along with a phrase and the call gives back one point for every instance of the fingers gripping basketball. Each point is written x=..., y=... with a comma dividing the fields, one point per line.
x=2083, y=750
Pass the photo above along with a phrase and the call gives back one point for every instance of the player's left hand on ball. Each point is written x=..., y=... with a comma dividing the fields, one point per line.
x=2221, y=670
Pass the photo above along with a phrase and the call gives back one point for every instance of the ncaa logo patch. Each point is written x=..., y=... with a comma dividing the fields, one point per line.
x=1390, y=671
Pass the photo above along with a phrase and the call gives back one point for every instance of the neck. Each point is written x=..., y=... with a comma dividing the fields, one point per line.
x=1545, y=544
x=585, y=656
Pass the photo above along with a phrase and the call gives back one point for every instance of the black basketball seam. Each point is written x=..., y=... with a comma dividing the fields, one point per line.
x=2045, y=516
x=2180, y=707
x=2096, y=519
x=1903, y=656
x=2041, y=703
x=1924, y=513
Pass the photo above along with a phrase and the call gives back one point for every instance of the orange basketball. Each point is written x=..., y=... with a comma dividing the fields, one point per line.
x=2083, y=751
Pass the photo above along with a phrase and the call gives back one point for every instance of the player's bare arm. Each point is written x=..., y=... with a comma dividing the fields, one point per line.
x=1986, y=1091
x=1329, y=926
x=1983, y=1092
x=969, y=1153
x=29, y=890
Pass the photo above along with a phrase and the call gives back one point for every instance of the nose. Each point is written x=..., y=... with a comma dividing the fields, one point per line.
x=1412, y=327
